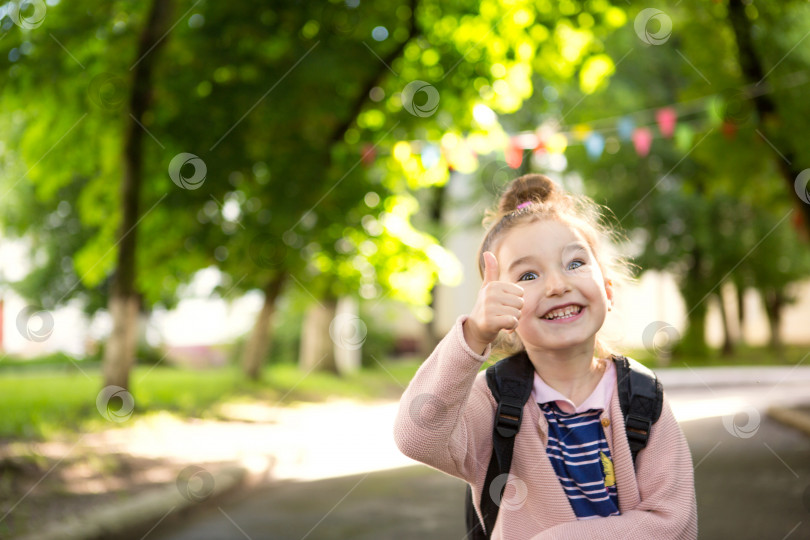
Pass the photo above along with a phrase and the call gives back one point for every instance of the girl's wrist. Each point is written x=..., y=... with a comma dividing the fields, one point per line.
x=474, y=342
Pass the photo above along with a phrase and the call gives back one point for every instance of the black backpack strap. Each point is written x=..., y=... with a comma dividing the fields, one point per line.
x=511, y=381
x=641, y=397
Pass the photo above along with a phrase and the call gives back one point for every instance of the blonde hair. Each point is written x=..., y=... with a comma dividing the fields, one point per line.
x=535, y=197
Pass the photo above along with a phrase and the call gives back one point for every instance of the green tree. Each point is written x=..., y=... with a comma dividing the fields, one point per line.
x=261, y=117
x=777, y=103
x=55, y=96
x=783, y=261
x=327, y=116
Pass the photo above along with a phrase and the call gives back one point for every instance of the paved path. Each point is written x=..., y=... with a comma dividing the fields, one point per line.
x=755, y=484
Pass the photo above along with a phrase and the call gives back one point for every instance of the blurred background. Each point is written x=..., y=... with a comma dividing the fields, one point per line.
x=223, y=222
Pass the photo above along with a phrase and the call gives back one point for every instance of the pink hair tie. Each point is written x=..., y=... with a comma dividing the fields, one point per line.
x=523, y=205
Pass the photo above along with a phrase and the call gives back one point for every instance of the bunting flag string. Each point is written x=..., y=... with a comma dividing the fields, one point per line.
x=676, y=122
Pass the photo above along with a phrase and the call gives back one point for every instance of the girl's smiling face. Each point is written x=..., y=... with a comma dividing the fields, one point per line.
x=565, y=294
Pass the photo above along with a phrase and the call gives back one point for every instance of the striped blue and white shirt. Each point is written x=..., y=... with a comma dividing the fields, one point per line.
x=577, y=447
x=581, y=458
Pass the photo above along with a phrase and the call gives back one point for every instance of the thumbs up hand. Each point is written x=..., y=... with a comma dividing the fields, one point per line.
x=497, y=307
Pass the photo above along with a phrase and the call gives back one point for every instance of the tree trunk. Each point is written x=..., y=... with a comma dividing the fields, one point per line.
x=769, y=120
x=348, y=336
x=728, y=341
x=258, y=344
x=740, y=296
x=119, y=354
x=774, y=300
x=693, y=342
x=317, y=349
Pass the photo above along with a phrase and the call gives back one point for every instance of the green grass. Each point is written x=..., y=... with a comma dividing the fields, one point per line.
x=57, y=361
x=42, y=403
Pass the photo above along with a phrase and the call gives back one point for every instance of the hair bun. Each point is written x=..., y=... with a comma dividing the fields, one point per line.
x=529, y=187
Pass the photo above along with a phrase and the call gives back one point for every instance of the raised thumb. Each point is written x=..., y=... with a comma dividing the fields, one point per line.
x=490, y=267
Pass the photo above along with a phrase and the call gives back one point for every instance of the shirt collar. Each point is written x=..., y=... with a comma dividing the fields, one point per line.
x=599, y=398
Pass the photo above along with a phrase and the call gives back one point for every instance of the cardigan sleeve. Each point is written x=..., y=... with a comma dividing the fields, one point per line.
x=665, y=478
x=445, y=417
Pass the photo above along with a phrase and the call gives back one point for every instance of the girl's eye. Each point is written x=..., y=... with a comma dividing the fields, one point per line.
x=573, y=265
x=527, y=276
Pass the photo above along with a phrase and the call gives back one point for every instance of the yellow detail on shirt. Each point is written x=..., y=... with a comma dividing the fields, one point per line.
x=607, y=468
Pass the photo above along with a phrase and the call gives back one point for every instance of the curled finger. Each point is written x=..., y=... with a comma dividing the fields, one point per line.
x=512, y=328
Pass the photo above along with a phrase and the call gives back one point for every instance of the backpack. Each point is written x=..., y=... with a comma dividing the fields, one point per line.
x=511, y=381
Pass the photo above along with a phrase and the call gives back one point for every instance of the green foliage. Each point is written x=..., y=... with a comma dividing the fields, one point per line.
x=275, y=102
x=712, y=207
x=63, y=147
x=312, y=146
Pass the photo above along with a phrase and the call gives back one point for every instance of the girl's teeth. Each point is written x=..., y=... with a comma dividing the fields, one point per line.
x=563, y=313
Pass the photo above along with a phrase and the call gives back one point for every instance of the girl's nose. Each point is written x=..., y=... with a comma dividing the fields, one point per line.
x=556, y=284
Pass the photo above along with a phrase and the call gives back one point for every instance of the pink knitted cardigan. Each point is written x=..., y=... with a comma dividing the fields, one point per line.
x=445, y=420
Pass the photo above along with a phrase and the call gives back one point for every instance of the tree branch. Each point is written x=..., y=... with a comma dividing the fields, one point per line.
x=375, y=80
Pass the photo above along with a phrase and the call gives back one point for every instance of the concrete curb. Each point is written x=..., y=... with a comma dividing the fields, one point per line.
x=140, y=513
x=792, y=417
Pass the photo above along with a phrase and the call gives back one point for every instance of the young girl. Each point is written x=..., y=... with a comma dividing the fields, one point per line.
x=547, y=286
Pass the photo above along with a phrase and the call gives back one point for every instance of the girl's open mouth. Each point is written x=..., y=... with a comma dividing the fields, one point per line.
x=564, y=315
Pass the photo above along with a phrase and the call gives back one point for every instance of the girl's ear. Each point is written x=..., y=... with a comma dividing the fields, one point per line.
x=609, y=291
